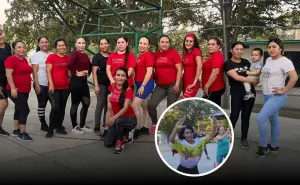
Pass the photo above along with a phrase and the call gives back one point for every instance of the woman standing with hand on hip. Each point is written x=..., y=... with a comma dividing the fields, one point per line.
x=58, y=78
x=38, y=62
x=213, y=83
x=18, y=73
x=168, y=73
x=273, y=76
x=80, y=68
x=101, y=82
x=144, y=81
x=192, y=66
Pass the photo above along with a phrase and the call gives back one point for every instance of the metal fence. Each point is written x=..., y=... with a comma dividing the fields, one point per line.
x=253, y=35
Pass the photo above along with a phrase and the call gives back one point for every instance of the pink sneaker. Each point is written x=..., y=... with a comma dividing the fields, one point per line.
x=152, y=130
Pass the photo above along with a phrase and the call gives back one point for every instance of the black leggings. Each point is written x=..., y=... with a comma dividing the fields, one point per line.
x=124, y=125
x=58, y=101
x=42, y=98
x=101, y=104
x=239, y=104
x=193, y=170
x=215, y=96
x=80, y=93
x=21, y=107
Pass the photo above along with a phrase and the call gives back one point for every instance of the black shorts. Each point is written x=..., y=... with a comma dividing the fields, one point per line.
x=3, y=82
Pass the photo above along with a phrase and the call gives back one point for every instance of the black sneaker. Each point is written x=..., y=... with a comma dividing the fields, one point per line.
x=97, y=131
x=273, y=150
x=262, y=151
x=144, y=131
x=244, y=143
x=129, y=141
x=136, y=134
x=103, y=135
x=3, y=132
x=16, y=133
x=44, y=127
x=24, y=137
x=49, y=134
x=61, y=131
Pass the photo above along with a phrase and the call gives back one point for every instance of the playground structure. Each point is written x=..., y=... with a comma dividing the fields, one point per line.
x=113, y=12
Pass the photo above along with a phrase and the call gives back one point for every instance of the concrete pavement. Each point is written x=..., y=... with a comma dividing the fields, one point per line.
x=83, y=158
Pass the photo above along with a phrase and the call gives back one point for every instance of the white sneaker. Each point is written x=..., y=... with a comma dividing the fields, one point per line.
x=77, y=130
x=249, y=95
x=86, y=129
x=130, y=134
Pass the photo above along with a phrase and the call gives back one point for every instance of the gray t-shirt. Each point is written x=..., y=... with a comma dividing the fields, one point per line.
x=254, y=66
x=40, y=59
x=274, y=73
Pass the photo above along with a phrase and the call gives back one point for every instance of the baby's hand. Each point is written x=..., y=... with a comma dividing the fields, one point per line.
x=247, y=72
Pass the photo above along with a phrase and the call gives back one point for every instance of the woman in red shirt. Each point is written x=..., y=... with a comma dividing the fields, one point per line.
x=144, y=81
x=168, y=73
x=18, y=73
x=121, y=58
x=123, y=118
x=80, y=67
x=58, y=79
x=213, y=83
x=192, y=66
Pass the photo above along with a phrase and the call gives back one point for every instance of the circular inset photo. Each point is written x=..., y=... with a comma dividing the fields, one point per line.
x=194, y=137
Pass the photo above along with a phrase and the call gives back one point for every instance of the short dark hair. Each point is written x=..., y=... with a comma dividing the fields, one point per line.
x=104, y=38
x=39, y=39
x=16, y=42
x=162, y=36
x=261, y=52
x=278, y=42
x=59, y=40
x=237, y=43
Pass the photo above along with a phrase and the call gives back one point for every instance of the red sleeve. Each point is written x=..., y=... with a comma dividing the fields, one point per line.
x=197, y=52
x=109, y=60
x=131, y=61
x=129, y=94
x=217, y=60
x=176, y=57
x=110, y=88
x=49, y=59
x=71, y=62
x=9, y=63
x=150, y=60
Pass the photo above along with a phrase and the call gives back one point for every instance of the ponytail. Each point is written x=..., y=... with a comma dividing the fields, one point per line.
x=126, y=57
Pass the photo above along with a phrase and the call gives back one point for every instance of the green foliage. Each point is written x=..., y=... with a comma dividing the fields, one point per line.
x=194, y=110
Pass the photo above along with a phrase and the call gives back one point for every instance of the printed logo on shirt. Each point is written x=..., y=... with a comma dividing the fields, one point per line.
x=241, y=69
x=265, y=73
x=185, y=60
x=162, y=60
x=117, y=60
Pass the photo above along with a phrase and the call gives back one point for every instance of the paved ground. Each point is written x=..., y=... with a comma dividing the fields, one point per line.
x=84, y=159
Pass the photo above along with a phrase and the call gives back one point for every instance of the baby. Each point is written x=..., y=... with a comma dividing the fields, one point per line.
x=254, y=71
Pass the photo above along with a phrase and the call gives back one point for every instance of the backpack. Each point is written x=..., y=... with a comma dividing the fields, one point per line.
x=110, y=137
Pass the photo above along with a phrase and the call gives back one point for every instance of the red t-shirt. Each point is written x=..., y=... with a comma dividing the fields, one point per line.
x=59, y=72
x=116, y=60
x=114, y=100
x=144, y=60
x=190, y=67
x=165, y=70
x=216, y=60
x=21, y=74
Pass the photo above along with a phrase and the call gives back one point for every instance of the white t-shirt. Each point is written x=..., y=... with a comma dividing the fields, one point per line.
x=40, y=59
x=274, y=73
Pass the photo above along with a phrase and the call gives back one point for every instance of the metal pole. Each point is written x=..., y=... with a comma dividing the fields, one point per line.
x=136, y=44
x=62, y=17
x=118, y=15
x=150, y=3
x=85, y=21
x=99, y=28
x=130, y=12
x=151, y=31
x=106, y=34
x=80, y=5
x=227, y=92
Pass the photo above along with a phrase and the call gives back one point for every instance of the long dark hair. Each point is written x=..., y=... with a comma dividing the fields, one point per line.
x=127, y=51
x=188, y=125
x=124, y=87
x=196, y=43
x=39, y=39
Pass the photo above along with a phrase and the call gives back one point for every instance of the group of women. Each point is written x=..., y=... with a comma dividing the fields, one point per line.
x=158, y=74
